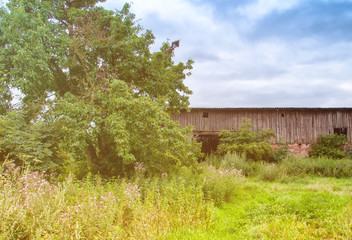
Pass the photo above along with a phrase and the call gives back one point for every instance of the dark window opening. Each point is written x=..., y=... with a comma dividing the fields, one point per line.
x=282, y=114
x=209, y=143
x=205, y=114
x=340, y=131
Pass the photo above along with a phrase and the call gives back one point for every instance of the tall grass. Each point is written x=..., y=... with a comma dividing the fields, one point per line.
x=219, y=185
x=31, y=207
x=292, y=166
x=321, y=166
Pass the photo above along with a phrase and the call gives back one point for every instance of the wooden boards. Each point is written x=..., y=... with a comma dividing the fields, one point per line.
x=292, y=125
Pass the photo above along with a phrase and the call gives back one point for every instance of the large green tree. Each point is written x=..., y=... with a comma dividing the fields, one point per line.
x=91, y=72
x=65, y=46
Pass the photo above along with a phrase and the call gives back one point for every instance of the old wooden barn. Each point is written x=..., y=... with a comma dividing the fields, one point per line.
x=292, y=125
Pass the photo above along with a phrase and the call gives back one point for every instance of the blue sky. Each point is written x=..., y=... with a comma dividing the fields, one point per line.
x=257, y=53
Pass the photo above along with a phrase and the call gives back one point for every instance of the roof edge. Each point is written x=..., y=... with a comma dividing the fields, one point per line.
x=271, y=108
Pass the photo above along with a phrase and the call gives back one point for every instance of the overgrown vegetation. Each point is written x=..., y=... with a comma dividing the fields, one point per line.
x=255, y=145
x=276, y=200
x=95, y=155
x=288, y=168
x=34, y=207
x=332, y=146
x=306, y=208
x=95, y=98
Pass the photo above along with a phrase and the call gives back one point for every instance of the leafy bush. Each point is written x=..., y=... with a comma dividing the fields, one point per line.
x=281, y=151
x=252, y=144
x=331, y=146
x=33, y=144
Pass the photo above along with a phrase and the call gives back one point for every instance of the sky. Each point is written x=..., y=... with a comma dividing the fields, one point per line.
x=257, y=53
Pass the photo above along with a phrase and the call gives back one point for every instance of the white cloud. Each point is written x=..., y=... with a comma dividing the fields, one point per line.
x=346, y=87
x=231, y=70
x=263, y=7
x=176, y=11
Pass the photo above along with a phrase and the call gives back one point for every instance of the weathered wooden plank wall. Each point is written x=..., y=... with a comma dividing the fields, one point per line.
x=293, y=125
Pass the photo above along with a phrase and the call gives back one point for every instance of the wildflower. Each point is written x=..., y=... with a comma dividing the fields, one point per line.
x=132, y=193
x=138, y=167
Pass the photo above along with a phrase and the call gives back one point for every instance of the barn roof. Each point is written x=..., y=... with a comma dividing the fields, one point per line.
x=272, y=108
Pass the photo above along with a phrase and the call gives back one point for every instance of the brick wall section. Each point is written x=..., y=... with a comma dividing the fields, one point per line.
x=298, y=149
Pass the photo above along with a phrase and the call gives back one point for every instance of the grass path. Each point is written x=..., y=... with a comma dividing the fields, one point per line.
x=308, y=208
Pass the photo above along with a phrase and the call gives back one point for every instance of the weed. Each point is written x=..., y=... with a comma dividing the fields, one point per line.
x=33, y=208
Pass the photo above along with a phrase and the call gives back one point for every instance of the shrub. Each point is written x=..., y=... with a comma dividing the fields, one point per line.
x=331, y=146
x=35, y=144
x=252, y=144
x=281, y=151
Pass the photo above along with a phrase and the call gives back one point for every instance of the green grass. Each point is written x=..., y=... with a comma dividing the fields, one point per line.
x=309, y=208
x=210, y=203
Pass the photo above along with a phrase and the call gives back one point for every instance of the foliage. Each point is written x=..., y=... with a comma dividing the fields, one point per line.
x=31, y=207
x=88, y=77
x=65, y=46
x=5, y=95
x=331, y=146
x=234, y=161
x=281, y=151
x=30, y=144
x=120, y=129
x=253, y=144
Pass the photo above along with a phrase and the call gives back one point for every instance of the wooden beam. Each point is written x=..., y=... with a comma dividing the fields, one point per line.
x=202, y=133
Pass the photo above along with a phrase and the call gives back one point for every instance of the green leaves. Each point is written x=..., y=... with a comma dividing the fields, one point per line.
x=331, y=146
x=110, y=96
x=5, y=95
x=34, y=144
x=72, y=47
x=26, y=39
x=253, y=144
x=120, y=129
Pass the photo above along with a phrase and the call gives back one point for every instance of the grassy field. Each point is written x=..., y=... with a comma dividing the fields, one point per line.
x=308, y=208
x=233, y=199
